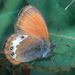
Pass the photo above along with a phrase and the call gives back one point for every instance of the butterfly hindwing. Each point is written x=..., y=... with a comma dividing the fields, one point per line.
x=22, y=48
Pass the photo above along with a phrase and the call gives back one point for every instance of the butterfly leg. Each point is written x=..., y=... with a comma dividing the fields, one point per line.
x=33, y=62
x=51, y=59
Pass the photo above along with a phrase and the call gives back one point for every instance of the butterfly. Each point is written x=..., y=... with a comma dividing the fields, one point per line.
x=30, y=40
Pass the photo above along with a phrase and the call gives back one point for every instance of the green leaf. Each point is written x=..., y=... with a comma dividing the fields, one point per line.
x=56, y=18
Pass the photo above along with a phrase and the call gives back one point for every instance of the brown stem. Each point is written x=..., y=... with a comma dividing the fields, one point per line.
x=2, y=52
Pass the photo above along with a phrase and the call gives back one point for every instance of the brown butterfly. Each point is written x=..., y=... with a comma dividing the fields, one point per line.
x=31, y=38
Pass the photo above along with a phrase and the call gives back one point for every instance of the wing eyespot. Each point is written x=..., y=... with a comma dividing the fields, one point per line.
x=11, y=43
x=12, y=54
x=11, y=48
x=22, y=37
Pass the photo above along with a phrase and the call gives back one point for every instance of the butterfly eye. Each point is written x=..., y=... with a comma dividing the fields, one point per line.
x=12, y=53
x=11, y=48
x=22, y=37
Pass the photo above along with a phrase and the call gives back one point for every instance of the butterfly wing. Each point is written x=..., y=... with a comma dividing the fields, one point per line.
x=22, y=48
x=31, y=22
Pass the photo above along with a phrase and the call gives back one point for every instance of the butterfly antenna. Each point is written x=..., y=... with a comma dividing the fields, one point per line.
x=69, y=4
x=61, y=40
x=63, y=44
x=56, y=34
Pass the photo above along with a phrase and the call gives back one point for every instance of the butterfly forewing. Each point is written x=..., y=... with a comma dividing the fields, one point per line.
x=31, y=22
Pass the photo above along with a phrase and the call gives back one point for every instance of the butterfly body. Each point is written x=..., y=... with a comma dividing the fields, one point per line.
x=31, y=39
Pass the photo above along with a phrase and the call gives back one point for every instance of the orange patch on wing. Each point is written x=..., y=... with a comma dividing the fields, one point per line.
x=31, y=22
x=33, y=26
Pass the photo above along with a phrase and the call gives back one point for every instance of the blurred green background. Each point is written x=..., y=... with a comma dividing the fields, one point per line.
x=56, y=17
